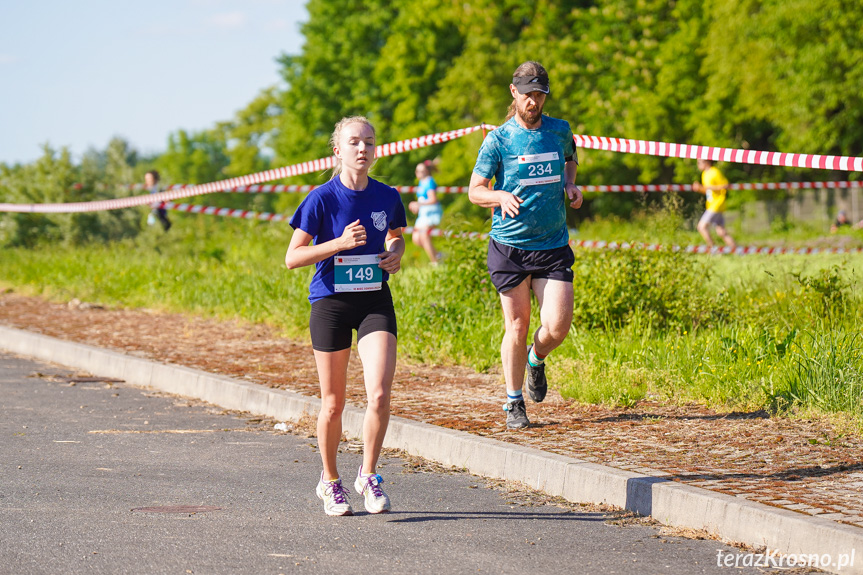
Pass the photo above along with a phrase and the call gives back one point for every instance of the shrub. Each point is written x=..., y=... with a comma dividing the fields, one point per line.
x=825, y=293
x=663, y=289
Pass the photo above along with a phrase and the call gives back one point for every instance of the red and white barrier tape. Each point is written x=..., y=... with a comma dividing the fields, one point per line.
x=268, y=175
x=449, y=234
x=815, y=161
x=587, y=244
x=268, y=217
x=303, y=189
x=704, y=249
x=737, y=186
x=226, y=212
x=693, y=152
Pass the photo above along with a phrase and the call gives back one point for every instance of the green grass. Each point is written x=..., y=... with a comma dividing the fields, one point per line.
x=734, y=333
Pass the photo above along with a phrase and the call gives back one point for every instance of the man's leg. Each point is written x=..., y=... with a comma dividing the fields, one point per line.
x=163, y=217
x=513, y=348
x=704, y=230
x=726, y=237
x=513, y=351
x=555, y=314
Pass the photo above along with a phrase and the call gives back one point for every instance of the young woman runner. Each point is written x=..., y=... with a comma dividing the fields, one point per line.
x=356, y=224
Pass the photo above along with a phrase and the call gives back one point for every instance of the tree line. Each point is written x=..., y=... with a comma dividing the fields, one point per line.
x=758, y=74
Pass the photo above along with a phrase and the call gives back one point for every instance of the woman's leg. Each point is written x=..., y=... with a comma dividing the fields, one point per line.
x=422, y=238
x=333, y=376
x=378, y=354
x=433, y=254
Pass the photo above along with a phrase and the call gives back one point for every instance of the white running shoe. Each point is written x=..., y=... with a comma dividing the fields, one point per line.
x=334, y=496
x=369, y=486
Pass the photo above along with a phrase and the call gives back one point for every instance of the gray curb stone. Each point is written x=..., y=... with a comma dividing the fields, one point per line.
x=730, y=518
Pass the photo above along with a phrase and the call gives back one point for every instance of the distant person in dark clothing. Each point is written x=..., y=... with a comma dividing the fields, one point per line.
x=151, y=182
x=841, y=220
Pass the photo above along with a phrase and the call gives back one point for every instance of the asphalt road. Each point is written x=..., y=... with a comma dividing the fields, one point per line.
x=81, y=463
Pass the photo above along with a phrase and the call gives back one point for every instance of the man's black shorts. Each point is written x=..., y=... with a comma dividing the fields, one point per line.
x=510, y=266
x=334, y=318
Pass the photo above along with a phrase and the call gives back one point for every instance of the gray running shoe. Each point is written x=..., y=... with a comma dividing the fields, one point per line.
x=516, y=416
x=537, y=385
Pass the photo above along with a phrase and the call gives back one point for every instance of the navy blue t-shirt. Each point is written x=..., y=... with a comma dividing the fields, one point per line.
x=327, y=211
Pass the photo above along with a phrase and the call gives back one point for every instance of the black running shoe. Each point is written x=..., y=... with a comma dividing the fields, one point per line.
x=537, y=385
x=516, y=416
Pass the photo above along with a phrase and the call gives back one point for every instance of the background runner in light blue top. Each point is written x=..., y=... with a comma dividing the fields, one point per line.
x=428, y=215
x=523, y=163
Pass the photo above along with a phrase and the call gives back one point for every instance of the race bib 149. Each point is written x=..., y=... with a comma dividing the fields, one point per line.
x=357, y=273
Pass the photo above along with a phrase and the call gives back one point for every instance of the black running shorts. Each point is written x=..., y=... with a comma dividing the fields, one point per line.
x=335, y=317
x=510, y=266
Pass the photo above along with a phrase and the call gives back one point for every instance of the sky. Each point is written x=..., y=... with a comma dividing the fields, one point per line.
x=76, y=74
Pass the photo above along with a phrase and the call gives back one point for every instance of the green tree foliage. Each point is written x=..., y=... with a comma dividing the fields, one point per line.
x=194, y=158
x=250, y=136
x=760, y=74
x=333, y=75
x=793, y=64
x=54, y=178
x=770, y=74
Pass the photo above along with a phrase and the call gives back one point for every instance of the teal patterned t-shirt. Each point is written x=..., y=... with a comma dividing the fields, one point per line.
x=529, y=164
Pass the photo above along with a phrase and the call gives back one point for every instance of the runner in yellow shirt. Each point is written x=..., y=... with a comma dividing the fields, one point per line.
x=714, y=185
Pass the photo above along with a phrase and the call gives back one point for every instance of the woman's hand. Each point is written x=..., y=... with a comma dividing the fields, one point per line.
x=391, y=262
x=414, y=207
x=353, y=236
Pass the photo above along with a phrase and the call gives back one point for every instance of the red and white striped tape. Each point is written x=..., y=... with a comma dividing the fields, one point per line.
x=737, y=186
x=693, y=152
x=226, y=212
x=587, y=244
x=268, y=175
x=282, y=188
x=268, y=217
x=303, y=189
x=449, y=234
x=815, y=161
x=704, y=249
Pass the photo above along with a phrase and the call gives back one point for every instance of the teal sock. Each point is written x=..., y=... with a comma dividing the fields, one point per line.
x=513, y=396
x=534, y=359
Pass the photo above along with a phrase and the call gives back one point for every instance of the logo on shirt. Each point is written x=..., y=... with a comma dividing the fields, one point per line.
x=379, y=219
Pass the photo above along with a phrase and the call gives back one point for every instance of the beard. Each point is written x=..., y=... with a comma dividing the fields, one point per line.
x=530, y=117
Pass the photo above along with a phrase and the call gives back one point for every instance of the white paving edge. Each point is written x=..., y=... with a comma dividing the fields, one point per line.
x=730, y=518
